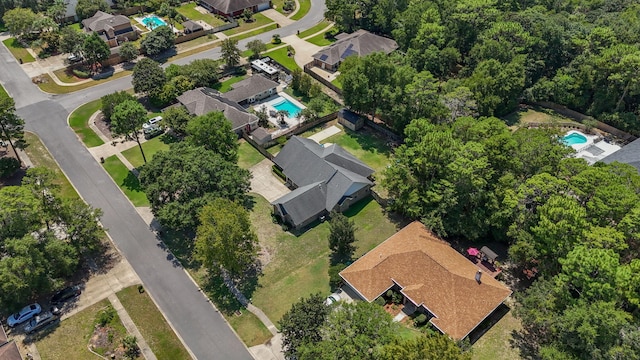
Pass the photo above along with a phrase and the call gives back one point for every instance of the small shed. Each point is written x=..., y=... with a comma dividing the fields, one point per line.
x=350, y=120
x=191, y=27
x=261, y=136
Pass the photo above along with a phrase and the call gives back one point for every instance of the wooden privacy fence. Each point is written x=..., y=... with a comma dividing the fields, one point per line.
x=322, y=80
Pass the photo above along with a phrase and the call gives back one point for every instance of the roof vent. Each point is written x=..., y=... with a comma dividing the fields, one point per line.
x=479, y=276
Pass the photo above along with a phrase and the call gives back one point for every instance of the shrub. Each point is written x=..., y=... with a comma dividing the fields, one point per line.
x=380, y=301
x=289, y=5
x=334, y=275
x=105, y=316
x=389, y=294
x=8, y=166
x=420, y=320
x=81, y=74
x=278, y=172
x=281, y=140
x=396, y=298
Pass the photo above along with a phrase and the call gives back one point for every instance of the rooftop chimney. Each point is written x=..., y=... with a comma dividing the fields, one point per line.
x=478, y=276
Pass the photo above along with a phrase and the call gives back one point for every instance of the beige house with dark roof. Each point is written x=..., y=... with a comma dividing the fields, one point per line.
x=360, y=43
x=114, y=29
x=431, y=275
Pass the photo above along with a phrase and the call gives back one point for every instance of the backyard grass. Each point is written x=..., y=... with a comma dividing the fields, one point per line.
x=318, y=27
x=70, y=338
x=226, y=85
x=337, y=81
x=300, y=263
x=256, y=32
x=126, y=180
x=150, y=148
x=280, y=56
x=40, y=156
x=196, y=42
x=535, y=114
x=18, y=51
x=79, y=122
x=189, y=11
x=250, y=329
x=48, y=85
x=495, y=344
x=75, y=26
x=320, y=40
x=258, y=20
x=364, y=145
x=305, y=5
x=154, y=328
x=248, y=155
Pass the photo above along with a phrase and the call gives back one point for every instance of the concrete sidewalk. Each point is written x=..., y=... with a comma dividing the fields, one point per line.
x=326, y=133
x=131, y=327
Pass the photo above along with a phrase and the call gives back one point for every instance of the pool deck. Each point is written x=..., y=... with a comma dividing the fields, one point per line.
x=270, y=101
x=594, y=149
x=140, y=20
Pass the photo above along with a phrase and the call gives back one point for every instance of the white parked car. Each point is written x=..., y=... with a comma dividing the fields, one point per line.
x=23, y=315
x=152, y=122
x=333, y=298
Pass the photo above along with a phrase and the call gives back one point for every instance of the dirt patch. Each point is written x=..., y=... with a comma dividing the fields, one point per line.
x=102, y=125
x=393, y=309
x=102, y=342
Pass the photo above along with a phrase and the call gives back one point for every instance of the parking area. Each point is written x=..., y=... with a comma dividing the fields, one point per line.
x=265, y=183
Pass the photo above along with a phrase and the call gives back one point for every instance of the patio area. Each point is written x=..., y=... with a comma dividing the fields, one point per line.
x=271, y=103
x=485, y=259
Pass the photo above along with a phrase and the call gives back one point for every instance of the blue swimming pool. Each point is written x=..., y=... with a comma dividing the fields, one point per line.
x=574, y=139
x=285, y=104
x=152, y=22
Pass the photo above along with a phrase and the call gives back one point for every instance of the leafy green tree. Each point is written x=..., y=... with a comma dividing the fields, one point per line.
x=87, y=8
x=40, y=181
x=110, y=101
x=80, y=225
x=160, y=39
x=213, y=132
x=72, y=40
x=230, y=52
x=434, y=346
x=180, y=181
x=225, y=239
x=497, y=86
x=127, y=120
x=95, y=49
x=128, y=51
x=177, y=119
x=19, y=21
x=18, y=286
x=341, y=236
x=247, y=14
x=203, y=72
x=11, y=125
x=57, y=11
x=20, y=211
x=148, y=76
x=301, y=324
x=257, y=47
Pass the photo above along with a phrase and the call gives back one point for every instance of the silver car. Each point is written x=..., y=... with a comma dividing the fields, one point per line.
x=40, y=321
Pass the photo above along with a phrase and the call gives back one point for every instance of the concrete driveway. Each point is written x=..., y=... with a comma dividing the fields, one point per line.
x=304, y=49
x=265, y=183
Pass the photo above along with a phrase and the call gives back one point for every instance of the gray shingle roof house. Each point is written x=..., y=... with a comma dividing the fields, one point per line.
x=191, y=27
x=112, y=28
x=204, y=100
x=325, y=179
x=629, y=154
x=251, y=89
x=234, y=7
x=359, y=43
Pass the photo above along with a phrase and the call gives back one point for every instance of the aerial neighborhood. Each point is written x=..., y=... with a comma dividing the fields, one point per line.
x=319, y=179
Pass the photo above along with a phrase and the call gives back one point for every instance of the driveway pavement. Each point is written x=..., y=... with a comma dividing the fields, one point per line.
x=265, y=183
x=277, y=17
x=304, y=49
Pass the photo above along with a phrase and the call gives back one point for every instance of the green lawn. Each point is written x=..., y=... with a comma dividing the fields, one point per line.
x=18, y=51
x=495, y=344
x=337, y=82
x=278, y=4
x=280, y=56
x=40, y=156
x=256, y=32
x=305, y=5
x=366, y=146
x=318, y=27
x=196, y=42
x=300, y=264
x=75, y=26
x=189, y=11
x=79, y=122
x=258, y=20
x=48, y=85
x=126, y=180
x=154, y=328
x=535, y=114
x=320, y=40
x=3, y=92
x=150, y=148
x=248, y=155
x=69, y=339
x=226, y=85
x=250, y=329
x=66, y=76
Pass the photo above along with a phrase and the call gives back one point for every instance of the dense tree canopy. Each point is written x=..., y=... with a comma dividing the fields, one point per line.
x=158, y=40
x=87, y=8
x=148, y=76
x=213, y=132
x=127, y=120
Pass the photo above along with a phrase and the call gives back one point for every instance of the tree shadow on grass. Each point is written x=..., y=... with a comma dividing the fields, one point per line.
x=168, y=139
x=219, y=293
x=132, y=183
x=525, y=343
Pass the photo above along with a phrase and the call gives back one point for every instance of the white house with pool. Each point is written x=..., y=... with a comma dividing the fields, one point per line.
x=591, y=148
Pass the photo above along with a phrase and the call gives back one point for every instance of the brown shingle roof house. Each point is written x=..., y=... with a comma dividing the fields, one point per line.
x=432, y=275
x=112, y=28
x=8, y=349
x=360, y=43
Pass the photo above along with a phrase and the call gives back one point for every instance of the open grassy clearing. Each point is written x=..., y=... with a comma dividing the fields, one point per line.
x=280, y=55
x=150, y=148
x=495, y=344
x=250, y=329
x=152, y=325
x=189, y=11
x=248, y=155
x=126, y=180
x=535, y=115
x=18, y=51
x=305, y=5
x=226, y=85
x=51, y=87
x=300, y=264
x=258, y=20
x=318, y=27
x=79, y=122
x=40, y=156
x=364, y=145
x=321, y=40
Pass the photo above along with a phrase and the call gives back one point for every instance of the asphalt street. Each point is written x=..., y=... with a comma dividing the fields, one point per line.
x=202, y=328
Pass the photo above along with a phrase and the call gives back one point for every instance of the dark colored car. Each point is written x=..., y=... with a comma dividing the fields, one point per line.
x=65, y=294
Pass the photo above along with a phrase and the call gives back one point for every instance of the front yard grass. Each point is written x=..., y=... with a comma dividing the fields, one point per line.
x=495, y=344
x=40, y=156
x=315, y=29
x=256, y=32
x=300, y=263
x=250, y=329
x=364, y=145
x=150, y=148
x=3, y=93
x=152, y=325
x=48, y=85
x=226, y=85
x=258, y=20
x=66, y=76
x=18, y=51
x=305, y=5
x=126, y=180
x=280, y=55
x=70, y=338
x=321, y=40
x=79, y=122
x=189, y=11
x=248, y=155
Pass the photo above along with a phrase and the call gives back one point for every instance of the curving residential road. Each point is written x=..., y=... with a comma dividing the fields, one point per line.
x=201, y=327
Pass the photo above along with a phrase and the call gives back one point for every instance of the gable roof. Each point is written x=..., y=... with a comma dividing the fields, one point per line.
x=359, y=43
x=192, y=26
x=202, y=101
x=8, y=349
x=231, y=6
x=324, y=176
x=629, y=154
x=251, y=86
x=432, y=274
x=101, y=21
